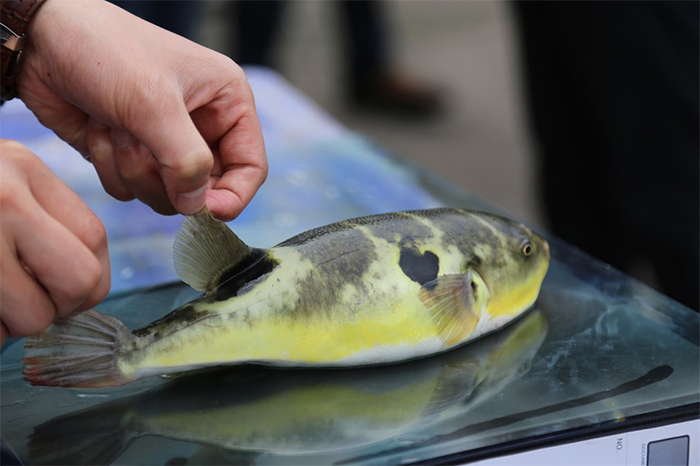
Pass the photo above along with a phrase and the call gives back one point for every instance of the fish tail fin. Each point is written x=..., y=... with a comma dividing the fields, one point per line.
x=79, y=352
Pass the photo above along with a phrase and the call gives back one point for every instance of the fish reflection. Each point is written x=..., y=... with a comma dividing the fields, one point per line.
x=291, y=412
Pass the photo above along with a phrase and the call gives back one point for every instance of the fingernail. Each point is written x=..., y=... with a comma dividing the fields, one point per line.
x=191, y=202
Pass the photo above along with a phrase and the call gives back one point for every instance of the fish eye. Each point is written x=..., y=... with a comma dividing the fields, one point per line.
x=527, y=248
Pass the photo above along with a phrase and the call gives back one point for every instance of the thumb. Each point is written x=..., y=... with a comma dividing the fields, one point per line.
x=166, y=129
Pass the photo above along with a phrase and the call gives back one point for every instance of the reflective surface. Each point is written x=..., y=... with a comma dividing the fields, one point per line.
x=599, y=347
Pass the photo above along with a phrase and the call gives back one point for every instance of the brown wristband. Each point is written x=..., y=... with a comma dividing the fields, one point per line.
x=14, y=16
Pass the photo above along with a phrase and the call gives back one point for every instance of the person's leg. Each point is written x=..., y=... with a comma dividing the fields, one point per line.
x=373, y=81
x=613, y=96
x=178, y=16
x=257, y=23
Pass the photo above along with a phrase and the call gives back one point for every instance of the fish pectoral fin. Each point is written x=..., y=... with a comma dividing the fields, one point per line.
x=204, y=249
x=450, y=301
x=456, y=381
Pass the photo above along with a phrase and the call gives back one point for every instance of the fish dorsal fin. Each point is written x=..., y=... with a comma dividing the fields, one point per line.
x=204, y=249
x=450, y=301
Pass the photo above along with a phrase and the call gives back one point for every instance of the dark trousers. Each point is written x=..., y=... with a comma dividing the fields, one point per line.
x=180, y=16
x=364, y=39
x=613, y=95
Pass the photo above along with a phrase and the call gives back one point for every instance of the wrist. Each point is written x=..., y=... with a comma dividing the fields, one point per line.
x=15, y=17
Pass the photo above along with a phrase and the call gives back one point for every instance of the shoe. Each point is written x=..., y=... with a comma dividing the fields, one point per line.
x=397, y=95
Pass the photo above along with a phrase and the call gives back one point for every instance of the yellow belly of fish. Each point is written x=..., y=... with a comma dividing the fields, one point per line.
x=273, y=422
x=389, y=332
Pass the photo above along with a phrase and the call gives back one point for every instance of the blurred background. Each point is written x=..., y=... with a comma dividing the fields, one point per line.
x=463, y=48
x=578, y=117
x=463, y=51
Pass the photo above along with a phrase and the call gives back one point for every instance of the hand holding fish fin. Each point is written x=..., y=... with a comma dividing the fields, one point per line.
x=450, y=301
x=204, y=249
x=79, y=352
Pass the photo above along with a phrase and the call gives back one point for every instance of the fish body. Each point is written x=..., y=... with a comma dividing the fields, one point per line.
x=370, y=290
x=301, y=412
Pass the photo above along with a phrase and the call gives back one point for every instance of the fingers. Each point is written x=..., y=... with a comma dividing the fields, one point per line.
x=66, y=268
x=185, y=160
x=102, y=156
x=241, y=164
x=69, y=224
x=162, y=160
x=140, y=172
x=26, y=307
x=244, y=166
x=54, y=251
x=234, y=190
x=126, y=168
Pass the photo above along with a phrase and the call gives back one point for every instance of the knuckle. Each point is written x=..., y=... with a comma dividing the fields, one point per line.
x=118, y=192
x=98, y=293
x=10, y=203
x=195, y=165
x=101, y=292
x=14, y=206
x=136, y=164
x=79, y=288
x=192, y=169
x=94, y=234
x=264, y=172
x=130, y=173
x=12, y=148
x=224, y=63
x=19, y=156
x=90, y=277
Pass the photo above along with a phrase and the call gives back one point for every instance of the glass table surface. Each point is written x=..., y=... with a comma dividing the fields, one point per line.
x=598, y=349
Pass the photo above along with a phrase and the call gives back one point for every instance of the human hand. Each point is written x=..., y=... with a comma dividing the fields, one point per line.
x=162, y=119
x=53, y=248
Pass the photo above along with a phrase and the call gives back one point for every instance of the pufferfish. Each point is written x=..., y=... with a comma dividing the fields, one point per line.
x=371, y=290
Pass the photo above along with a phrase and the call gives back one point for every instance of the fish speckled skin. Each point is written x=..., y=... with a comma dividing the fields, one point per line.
x=369, y=290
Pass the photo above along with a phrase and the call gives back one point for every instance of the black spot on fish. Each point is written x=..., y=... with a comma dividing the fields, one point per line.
x=252, y=267
x=421, y=268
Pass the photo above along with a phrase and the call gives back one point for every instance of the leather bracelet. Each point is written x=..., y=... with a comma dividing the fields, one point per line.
x=14, y=18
